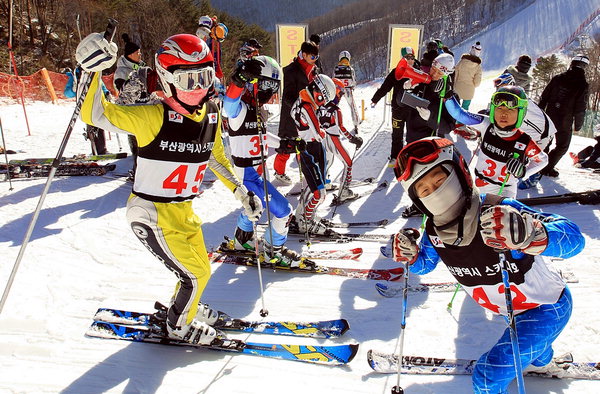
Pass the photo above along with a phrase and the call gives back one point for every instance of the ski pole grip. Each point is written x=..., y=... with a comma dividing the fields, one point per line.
x=251, y=200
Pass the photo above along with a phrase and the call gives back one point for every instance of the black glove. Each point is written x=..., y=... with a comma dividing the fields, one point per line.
x=247, y=72
x=515, y=167
x=288, y=145
x=356, y=140
x=299, y=145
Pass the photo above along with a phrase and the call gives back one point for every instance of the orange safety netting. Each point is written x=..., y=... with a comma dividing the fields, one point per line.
x=34, y=86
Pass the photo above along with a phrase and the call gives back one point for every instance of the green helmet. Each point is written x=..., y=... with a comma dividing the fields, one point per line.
x=510, y=97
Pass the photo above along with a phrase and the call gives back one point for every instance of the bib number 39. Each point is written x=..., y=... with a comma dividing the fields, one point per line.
x=176, y=180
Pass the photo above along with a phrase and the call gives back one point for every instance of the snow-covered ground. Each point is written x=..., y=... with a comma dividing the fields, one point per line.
x=82, y=256
x=536, y=30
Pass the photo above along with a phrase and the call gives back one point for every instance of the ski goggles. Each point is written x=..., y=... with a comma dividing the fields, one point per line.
x=313, y=57
x=268, y=84
x=509, y=100
x=421, y=151
x=188, y=79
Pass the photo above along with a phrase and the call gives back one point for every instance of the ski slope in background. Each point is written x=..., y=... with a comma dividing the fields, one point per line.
x=536, y=30
x=82, y=256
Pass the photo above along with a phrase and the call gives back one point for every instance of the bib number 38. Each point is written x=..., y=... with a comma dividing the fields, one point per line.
x=178, y=179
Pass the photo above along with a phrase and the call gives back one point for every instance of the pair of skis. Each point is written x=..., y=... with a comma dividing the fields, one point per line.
x=248, y=258
x=150, y=327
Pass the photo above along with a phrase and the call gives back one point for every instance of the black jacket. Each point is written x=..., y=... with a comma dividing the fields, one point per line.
x=397, y=88
x=416, y=126
x=565, y=99
x=294, y=80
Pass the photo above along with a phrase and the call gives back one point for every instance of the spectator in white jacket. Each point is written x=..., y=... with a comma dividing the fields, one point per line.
x=468, y=75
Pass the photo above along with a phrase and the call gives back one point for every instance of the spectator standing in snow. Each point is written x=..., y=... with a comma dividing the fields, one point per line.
x=400, y=111
x=431, y=53
x=467, y=75
x=565, y=101
x=296, y=76
x=520, y=73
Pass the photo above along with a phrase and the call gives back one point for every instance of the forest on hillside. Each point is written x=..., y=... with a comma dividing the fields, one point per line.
x=45, y=33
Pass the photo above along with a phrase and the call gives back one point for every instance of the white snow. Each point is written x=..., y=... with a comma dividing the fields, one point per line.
x=537, y=30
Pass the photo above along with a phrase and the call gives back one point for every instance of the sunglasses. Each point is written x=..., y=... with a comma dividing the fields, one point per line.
x=509, y=100
x=422, y=151
x=409, y=57
x=314, y=57
x=191, y=79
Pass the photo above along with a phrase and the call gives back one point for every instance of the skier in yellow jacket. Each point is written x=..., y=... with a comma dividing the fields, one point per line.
x=178, y=139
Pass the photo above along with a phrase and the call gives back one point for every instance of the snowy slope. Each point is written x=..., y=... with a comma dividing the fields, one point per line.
x=536, y=30
x=83, y=255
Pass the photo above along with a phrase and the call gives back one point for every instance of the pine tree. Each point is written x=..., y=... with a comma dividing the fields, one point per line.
x=545, y=69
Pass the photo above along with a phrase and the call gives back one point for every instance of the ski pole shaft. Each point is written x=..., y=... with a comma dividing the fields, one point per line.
x=263, y=312
x=5, y=157
x=510, y=314
x=108, y=34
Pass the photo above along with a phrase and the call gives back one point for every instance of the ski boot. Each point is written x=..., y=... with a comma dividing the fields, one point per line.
x=530, y=182
x=282, y=256
x=345, y=195
x=282, y=179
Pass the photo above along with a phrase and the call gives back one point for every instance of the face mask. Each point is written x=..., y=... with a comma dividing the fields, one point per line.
x=445, y=198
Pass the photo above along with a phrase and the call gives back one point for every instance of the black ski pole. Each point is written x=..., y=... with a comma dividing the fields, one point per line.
x=6, y=157
x=108, y=34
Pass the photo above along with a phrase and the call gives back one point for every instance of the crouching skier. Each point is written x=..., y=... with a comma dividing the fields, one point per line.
x=472, y=234
x=178, y=139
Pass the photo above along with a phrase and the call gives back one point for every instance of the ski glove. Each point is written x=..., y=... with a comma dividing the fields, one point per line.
x=247, y=72
x=251, y=203
x=423, y=112
x=404, y=245
x=468, y=133
x=515, y=167
x=505, y=227
x=356, y=140
x=94, y=53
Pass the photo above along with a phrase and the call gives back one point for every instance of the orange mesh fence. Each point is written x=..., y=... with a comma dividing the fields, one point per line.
x=33, y=86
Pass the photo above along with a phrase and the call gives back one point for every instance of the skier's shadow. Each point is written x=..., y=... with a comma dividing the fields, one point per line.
x=143, y=367
x=91, y=208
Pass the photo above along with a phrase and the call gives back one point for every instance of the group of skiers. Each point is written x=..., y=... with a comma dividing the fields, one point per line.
x=473, y=223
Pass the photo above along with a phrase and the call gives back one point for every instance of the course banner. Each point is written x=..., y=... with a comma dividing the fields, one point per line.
x=403, y=36
x=289, y=39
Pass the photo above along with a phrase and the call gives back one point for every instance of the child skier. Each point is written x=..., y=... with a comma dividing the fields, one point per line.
x=254, y=82
x=330, y=119
x=466, y=230
x=312, y=160
x=178, y=139
x=505, y=149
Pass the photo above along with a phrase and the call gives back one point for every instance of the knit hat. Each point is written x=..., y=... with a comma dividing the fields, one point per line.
x=476, y=49
x=315, y=38
x=524, y=63
x=130, y=47
x=407, y=51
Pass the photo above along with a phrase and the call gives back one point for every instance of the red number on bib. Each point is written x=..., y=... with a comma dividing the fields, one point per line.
x=482, y=299
x=176, y=180
x=518, y=298
x=491, y=170
x=256, y=141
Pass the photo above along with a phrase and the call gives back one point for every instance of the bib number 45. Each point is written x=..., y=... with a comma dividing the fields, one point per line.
x=177, y=179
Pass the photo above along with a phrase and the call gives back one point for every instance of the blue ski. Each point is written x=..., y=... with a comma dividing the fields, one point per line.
x=318, y=329
x=330, y=355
